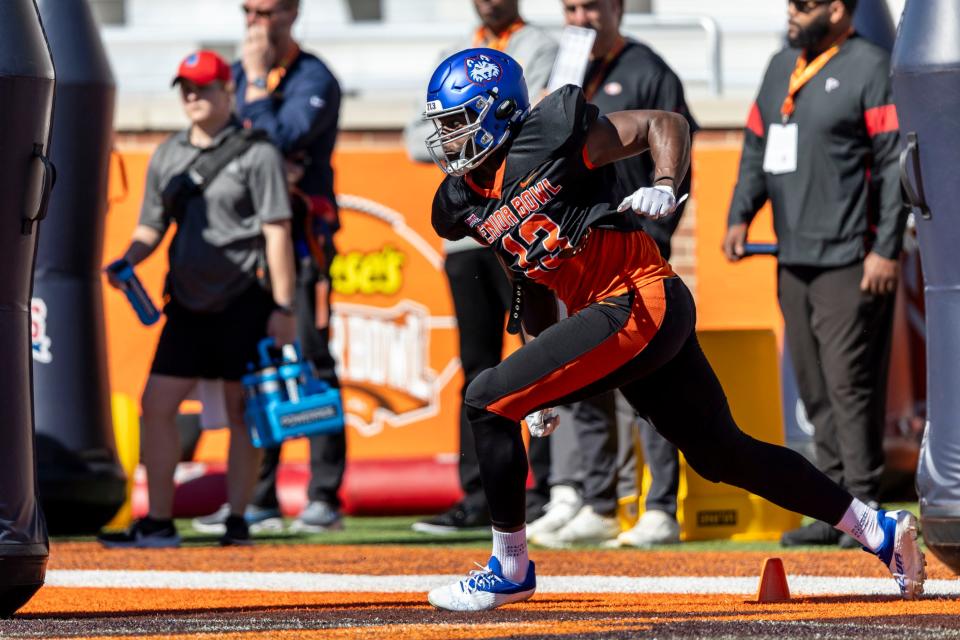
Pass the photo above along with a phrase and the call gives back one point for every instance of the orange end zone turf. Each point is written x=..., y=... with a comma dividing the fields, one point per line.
x=90, y=612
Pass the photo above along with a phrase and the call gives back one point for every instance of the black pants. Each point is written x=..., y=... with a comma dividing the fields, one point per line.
x=839, y=340
x=481, y=297
x=664, y=463
x=665, y=377
x=595, y=419
x=660, y=454
x=328, y=452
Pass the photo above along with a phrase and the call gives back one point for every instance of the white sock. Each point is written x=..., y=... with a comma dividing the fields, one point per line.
x=511, y=550
x=860, y=521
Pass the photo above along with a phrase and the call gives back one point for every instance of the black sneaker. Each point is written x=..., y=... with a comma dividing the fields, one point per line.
x=457, y=519
x=145, y=533
x=237, y=532
x=814, y=534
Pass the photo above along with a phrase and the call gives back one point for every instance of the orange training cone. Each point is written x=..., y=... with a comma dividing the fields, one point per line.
x=773, y=582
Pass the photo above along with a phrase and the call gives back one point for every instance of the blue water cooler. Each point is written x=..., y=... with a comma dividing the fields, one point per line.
x=285, y=400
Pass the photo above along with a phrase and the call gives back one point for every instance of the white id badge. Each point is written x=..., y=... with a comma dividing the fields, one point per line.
x=781, y=154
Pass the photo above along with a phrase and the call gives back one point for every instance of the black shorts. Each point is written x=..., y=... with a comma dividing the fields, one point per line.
x=213, y=345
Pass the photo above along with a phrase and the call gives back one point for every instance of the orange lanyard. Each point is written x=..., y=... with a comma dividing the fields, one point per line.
x=275, y=76
x=803, y=73
x=498, y=41
x=600, y=73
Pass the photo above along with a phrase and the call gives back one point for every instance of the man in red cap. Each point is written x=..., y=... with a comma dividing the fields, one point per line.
x=225, y=188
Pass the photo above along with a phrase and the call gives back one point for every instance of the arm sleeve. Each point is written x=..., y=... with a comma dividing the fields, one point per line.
x=151, y=209
x=750, y=193
x=268, y=184
x=309, y=106
x=446, y=214
x=882, y=127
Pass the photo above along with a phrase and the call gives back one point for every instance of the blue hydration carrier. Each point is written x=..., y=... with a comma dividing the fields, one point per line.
x=284, y=400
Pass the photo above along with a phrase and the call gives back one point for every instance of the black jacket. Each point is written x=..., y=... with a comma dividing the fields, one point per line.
x=844, y=198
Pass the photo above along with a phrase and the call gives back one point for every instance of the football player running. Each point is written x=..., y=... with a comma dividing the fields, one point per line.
x=534, y=185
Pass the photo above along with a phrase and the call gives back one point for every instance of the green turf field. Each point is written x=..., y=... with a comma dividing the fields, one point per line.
x=396, y=530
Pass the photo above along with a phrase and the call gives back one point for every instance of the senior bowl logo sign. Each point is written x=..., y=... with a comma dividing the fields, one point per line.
x=387, y=281
x=481, y=69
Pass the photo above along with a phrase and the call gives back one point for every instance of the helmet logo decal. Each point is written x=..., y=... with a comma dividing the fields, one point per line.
x=481, y=69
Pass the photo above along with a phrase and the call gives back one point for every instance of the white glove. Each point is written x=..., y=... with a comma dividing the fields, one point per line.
x=542, y=423
x=653, y=202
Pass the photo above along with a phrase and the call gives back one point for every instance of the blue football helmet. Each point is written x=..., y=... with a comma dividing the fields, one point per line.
x=474, y=99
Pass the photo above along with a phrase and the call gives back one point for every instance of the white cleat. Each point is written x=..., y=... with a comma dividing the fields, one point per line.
x=483, y=590
x=653, y=528
x=901, y=552
x=587, y=527
x=564, y=504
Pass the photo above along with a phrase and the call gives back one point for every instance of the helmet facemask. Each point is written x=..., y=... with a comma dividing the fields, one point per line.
x=460, y=143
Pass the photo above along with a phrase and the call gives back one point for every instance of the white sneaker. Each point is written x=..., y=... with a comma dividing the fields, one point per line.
x=587, y=527
x=901, y=553
x=654, y=527
x=564, y=504
x=484, y=589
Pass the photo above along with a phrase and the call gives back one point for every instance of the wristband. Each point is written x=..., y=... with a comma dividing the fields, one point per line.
x=670, y=178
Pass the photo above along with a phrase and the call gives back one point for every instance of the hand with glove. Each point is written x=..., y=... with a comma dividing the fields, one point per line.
x=654, y=202
x=542, y=423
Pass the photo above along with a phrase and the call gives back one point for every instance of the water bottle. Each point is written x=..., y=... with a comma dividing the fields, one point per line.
x=759, y=249
x=290, y=373
x=133, y=289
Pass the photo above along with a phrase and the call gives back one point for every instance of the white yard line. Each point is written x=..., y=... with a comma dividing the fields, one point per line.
x=331, y=582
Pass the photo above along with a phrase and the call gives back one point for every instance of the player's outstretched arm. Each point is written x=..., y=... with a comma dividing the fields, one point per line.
x=624, y=134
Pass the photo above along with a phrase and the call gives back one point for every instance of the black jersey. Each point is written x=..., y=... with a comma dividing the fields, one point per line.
x=545, y=197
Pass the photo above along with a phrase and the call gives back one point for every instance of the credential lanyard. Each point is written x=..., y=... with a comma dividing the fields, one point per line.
x=498, y=41
x=276, y=75
x=804, y=72
x=600, y=71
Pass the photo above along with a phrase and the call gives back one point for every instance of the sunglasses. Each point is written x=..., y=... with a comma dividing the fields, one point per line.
x=807, y=6
x=267, y=15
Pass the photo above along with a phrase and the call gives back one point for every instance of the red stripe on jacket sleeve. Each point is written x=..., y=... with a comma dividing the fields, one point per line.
x=881, y=120
x=755, y=122
x=586, y=159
